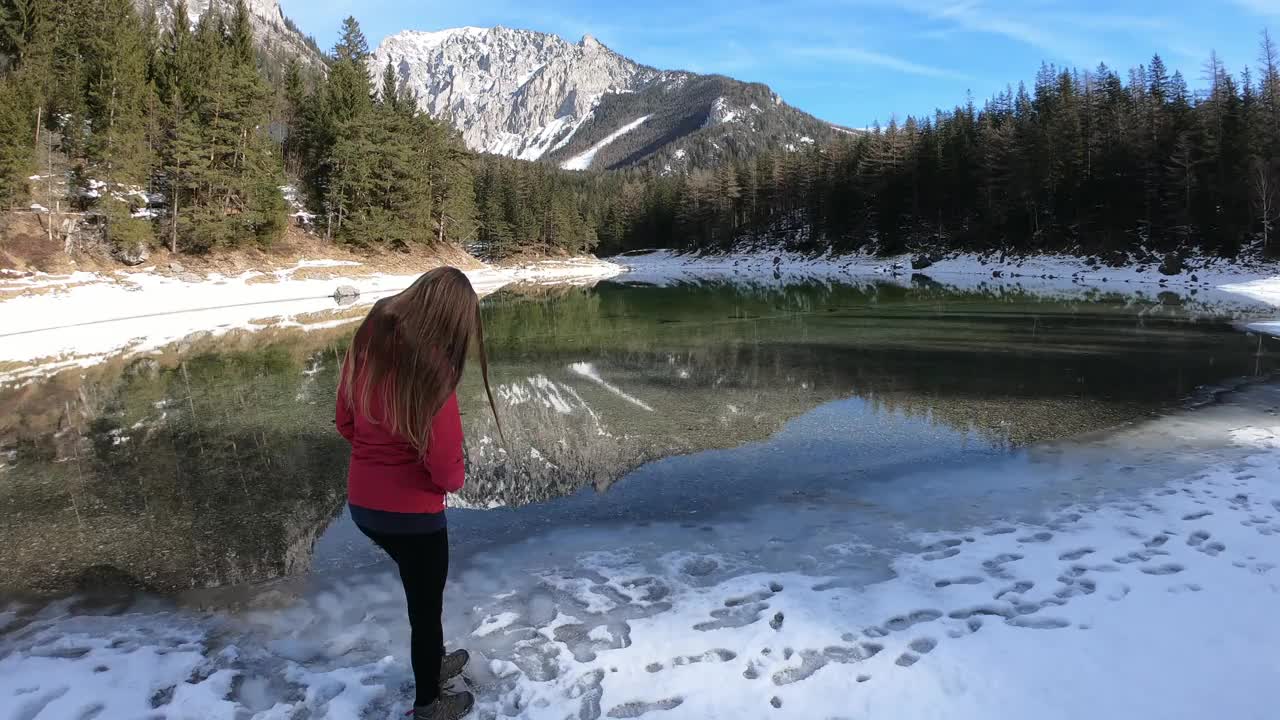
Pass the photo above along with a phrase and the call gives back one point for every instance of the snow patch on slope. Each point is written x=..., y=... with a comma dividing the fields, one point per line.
x=549, y=138
x=721, y=112
x=583, y=161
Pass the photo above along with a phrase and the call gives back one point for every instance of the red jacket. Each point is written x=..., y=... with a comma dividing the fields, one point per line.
x=387, y=473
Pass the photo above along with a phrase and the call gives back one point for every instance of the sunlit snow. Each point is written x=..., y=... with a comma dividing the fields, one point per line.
x=584, y=160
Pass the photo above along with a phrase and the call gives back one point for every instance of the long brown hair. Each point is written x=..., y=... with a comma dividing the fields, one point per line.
x=410, y=351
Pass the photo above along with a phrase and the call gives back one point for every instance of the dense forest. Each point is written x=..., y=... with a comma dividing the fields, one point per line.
x=1083, y=161
x=182, y=135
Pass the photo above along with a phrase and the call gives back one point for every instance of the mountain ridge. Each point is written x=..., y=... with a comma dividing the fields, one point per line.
x=537, y=96
x=277, y=36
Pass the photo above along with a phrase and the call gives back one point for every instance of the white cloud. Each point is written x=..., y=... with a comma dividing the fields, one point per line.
x=1260, y=7
x=861, y=56
x=1061, y=30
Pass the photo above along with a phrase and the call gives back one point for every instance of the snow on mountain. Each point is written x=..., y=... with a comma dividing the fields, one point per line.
x=278, y=37
x=511, y=92
x=536, y=96
x=582, y=161
x=722, y=112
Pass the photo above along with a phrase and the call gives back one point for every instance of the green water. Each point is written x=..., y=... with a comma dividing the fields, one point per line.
x=216, y=463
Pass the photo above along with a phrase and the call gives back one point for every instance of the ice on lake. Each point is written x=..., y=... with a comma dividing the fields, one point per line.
x=1123, y=575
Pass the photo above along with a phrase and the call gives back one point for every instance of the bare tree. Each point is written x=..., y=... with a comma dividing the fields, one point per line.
x=1264, y=199
x=1269, y=64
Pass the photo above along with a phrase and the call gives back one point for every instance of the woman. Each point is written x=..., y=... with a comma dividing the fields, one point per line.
x=398, y=409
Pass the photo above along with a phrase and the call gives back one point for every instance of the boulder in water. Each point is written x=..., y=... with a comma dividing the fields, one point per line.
x=346, y=294
x=920, y=262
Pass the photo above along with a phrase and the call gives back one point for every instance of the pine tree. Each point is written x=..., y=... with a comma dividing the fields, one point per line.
x=222, y=171
x=349, y=89
x=389, y=91
x=15, y=146
x=25, y=29
x=116, y=97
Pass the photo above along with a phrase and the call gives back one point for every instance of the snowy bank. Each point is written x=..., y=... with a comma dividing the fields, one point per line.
x=55, y=322
x=1209, y=283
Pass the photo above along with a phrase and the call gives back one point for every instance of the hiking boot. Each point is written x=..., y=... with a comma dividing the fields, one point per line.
x=448, y=706
x=452, y=664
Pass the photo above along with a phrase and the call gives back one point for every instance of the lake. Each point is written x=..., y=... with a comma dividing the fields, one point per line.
x=215, y=462
x=665, y=445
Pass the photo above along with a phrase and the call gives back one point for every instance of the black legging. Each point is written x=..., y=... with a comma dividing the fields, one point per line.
x=423, y=561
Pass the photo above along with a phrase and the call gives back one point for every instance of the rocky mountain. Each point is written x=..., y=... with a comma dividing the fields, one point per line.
x=278, y=37
x=536, y=96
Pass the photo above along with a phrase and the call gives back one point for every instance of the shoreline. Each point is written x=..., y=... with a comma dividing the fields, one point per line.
x=1215, y=285
x=56, y=322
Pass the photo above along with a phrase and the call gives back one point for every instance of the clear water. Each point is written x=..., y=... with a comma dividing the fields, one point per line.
x=215, y=463
x=688, y=468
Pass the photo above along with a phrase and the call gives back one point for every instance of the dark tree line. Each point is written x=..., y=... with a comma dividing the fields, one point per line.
x=1082, y=161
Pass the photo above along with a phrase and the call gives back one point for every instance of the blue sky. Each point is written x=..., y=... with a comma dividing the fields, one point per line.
x=853, y=61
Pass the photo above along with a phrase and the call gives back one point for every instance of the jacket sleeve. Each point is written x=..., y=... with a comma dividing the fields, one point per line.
x=444, y=460
x=343, y=416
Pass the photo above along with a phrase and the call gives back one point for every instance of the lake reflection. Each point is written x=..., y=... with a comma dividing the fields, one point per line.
x=215, y=461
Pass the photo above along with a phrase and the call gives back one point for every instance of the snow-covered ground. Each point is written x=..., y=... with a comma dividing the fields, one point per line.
x=56, y=322
x=1130, y=576
x=1213, y=285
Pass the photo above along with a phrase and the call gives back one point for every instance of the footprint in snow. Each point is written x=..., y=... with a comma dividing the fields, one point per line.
x=810, y=663
x=940, y=554
x=903, y=622
x=1075, y=554
x=970, y=580
x=1212, y=549
x=1017, y=588
x=1038, y=623
x=636, y=708
x=971, y=626
x=1165, y=569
